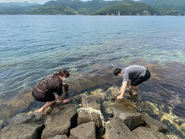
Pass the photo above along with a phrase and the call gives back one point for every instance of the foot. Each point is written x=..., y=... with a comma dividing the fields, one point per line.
x=135, y=93
x=41, y=111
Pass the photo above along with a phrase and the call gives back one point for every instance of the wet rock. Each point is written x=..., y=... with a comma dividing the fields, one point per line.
x=129, y=115
x=59, y=137
x=25, y=118
x=1, y=124
x=61, y=120
x=155, y=124
x=182, y=126
x=84, y=117
x=19, y=103
x=92, y=101
x=116, y=129
x=172, y=136
x=146, y=133
x=84, y=131
x=22, y=131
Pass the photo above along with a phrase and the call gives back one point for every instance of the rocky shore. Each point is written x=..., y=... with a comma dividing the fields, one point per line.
x=82, y=118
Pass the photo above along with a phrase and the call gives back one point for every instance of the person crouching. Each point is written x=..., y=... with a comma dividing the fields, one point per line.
x=45, y=89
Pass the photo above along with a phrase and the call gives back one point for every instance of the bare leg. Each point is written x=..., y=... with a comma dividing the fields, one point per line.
x=136, y=90
x=41, y=110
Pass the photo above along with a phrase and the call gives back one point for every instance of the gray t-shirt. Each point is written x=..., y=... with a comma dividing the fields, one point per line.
x=133, y=72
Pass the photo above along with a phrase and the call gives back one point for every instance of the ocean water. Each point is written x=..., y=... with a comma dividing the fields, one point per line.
x=33, y=47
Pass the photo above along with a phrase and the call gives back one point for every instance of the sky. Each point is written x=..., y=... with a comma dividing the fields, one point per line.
x=30, y=1
x=33, y=1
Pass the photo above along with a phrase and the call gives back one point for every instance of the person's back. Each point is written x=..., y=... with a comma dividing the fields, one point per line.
x=132, y=72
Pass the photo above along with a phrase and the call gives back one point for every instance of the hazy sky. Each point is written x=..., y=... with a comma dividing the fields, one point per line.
x=30, y=1
x=37, y=1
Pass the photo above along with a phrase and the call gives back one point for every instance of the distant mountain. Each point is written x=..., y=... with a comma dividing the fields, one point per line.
x=167, y=7
x=21, y=4
x=97, y=7
x=128, y=9
x=164, y=3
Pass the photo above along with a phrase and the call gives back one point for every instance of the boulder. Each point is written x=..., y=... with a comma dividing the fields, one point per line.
x=85, y=117
x=84, y=131
x=147, y=133
x=17, y=104
x=88, y=113
x=25, y=118
x=22, y=131
x=59, y=137
x=155, y=124
x=1, y=124
x=129, y=115
x=116, y=129
x=92, y=101
x=61, y=120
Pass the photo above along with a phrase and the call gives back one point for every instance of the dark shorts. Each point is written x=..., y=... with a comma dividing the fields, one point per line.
x=142, y=79
x=45, y=98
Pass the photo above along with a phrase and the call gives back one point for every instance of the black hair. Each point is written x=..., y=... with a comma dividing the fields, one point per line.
x=117, y=71
x=63, y=72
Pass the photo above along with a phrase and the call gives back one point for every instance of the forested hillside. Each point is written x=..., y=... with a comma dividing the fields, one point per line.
x=100, y=7
x=167, y=7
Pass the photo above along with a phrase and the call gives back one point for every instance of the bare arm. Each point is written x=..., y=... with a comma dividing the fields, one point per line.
x=122, y=91
x=63, y=101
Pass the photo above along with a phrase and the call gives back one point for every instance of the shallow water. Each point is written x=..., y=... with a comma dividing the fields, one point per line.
x=90, y=47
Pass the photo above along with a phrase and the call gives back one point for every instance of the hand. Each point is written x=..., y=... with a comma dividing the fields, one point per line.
x=65, y=100
x=120, y=97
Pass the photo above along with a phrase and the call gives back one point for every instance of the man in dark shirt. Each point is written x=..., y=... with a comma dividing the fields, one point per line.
x=43, y=91
x=135, y=74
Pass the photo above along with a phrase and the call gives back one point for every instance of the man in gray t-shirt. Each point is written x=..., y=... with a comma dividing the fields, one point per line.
x=135, y=74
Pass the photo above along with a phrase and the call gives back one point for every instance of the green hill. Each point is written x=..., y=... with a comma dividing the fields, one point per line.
x=167, y=7
x=100, y=7
x=128, y=9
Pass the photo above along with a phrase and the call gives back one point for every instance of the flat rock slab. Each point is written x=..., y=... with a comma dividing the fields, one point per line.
x=25, y=118
x=61, y=120
x=116, y=129
x=155, y=124
x=84, y=131
x=146, y=133
x=22, y=131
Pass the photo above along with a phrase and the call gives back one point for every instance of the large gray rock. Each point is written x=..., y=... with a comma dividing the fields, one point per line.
x=1, y=124
x=130, y=116
x=59, y=137
x=116, y=129
x=84, y=131
x=147, y=133
x=19, y=103
x=25, y=118
x=61, y=120
x=22, y=131
x=92, y=101
x=155, y=124
x=85, y=117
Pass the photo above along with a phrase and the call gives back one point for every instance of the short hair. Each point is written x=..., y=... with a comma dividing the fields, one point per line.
x=117, y=71
x=62, y=72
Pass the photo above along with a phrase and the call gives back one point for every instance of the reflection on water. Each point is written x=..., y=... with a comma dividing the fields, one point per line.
x=162, y=96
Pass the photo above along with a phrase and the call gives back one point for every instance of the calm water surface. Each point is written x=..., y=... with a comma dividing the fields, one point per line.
x=33, y=47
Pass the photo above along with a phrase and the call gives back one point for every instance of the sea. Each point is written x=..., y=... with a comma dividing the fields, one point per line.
x=33, y=47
